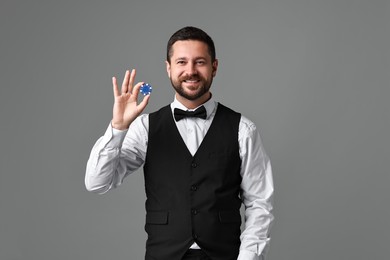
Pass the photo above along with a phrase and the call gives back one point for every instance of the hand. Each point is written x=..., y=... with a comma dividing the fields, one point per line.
x=126, y=109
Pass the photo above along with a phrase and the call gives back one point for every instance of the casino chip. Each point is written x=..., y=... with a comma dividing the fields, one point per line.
x=146, y=89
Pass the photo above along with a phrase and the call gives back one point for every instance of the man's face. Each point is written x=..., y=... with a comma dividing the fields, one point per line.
x=191, y=70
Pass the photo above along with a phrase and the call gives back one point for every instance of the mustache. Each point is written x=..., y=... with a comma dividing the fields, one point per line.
x=191, y=77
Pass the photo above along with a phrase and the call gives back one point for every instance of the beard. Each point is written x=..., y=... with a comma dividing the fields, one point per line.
x=202, y=89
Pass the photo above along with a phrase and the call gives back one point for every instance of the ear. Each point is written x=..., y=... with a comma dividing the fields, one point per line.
x=168, y=68
x=215, y=67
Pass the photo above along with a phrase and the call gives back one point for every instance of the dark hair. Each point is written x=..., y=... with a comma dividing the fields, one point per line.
x=191, y=33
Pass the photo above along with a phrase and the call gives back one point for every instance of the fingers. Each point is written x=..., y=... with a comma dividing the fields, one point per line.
x=132, y=77
x=125, y=83
x=128, y=81
x=144, y=102
x=115, y=87
x=136, y=89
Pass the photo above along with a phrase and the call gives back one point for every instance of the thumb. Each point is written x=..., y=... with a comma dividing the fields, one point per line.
x=143, y=103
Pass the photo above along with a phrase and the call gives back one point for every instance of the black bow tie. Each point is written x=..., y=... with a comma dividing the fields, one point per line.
x=199, y=112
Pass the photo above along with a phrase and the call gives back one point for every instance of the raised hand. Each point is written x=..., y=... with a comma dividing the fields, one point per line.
x=126, y=109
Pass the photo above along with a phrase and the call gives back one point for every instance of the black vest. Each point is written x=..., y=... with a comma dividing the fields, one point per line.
x=193, y=198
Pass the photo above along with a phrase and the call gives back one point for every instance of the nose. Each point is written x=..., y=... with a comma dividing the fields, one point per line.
x=191, y=69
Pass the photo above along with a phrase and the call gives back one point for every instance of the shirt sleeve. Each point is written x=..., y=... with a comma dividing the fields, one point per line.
x=115, y=155
x=256, y=193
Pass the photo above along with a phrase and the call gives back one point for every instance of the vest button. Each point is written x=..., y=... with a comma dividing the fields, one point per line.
x=195, y=236
x=194, y=187
x=194, y=211
x=194, y=165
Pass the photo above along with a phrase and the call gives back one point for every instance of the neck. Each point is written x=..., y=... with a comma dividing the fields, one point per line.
x=191, y=104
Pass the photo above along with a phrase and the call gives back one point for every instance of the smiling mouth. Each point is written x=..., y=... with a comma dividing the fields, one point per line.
x=191, y=81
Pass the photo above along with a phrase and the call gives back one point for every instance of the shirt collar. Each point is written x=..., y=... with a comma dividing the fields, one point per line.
x=209, y=105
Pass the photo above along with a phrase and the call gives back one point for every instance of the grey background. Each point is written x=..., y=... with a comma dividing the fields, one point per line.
x=313, y=75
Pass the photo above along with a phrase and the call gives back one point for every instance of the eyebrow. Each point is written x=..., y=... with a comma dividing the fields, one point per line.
x=196, y=58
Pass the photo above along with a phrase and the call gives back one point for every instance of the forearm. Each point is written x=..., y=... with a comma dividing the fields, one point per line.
x=255, y=238
x=110, y=162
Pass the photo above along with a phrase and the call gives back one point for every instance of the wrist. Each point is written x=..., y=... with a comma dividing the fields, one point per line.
x=119, y=126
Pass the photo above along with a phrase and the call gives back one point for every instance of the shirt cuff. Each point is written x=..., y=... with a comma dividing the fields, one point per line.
x=114, y=137
x=249, y=255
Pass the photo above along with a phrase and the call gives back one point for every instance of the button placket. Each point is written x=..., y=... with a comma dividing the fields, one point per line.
x=193, y=190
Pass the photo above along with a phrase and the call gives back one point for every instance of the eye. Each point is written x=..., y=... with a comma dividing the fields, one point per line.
x=200, y=62
x=181, y=62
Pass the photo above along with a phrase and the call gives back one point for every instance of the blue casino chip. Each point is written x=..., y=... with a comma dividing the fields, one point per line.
x=146, y=89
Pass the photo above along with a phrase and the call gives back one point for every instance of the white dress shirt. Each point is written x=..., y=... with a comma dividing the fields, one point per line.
x=121, y=152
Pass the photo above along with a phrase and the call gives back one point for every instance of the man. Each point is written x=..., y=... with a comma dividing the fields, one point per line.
x=201, y=161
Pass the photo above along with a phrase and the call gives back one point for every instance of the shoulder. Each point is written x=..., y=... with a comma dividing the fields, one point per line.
x=246, y=125
x=226, y=109
x=228, y=116
x=160, y=111
x=160, y=115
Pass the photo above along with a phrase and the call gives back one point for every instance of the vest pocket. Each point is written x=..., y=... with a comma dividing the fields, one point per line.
x=157, y=217
x=229, y=216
